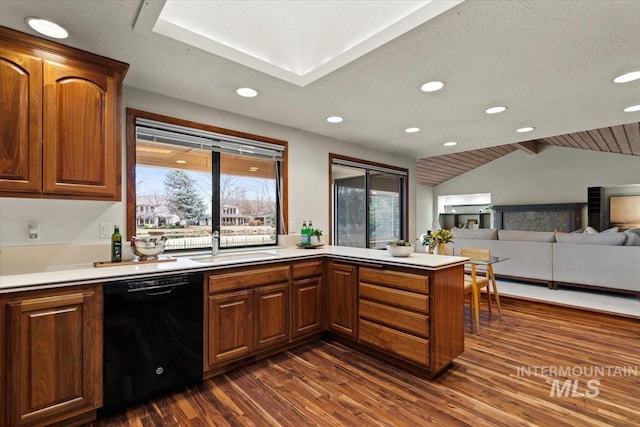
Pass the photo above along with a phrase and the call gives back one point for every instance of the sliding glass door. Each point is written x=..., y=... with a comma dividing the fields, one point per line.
x=385, y=209
x=350, y=218
x=369, y=204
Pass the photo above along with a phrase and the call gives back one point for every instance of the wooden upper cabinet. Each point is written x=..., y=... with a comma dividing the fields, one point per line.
x=20, y=122
x=79, y=133
x=61, y=120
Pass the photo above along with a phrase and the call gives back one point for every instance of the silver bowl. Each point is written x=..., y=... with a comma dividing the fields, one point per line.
x=147, y=249
x=399, y=251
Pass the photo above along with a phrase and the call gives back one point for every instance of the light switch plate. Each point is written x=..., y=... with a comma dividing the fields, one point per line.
x=105, y=230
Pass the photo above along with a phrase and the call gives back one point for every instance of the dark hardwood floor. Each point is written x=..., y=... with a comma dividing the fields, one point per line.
x=583, y=370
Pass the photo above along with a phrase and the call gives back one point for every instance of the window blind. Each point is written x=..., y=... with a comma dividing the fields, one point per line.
x=151, y=130
x=368, y=167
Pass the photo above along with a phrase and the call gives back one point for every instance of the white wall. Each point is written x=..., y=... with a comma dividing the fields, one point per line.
x=554, y=175
x=77, y=222
x=425, y=203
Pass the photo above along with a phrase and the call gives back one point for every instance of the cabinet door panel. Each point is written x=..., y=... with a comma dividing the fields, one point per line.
x=307, y=307
x=271, y=311
x=230, y=326
x=343, y=282
x=20, y=122
x=55, y=356
x=79, y=136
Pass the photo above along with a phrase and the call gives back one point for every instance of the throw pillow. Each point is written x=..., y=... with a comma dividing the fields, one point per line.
x=590, y=230
x=611, y=230
x=633, y=237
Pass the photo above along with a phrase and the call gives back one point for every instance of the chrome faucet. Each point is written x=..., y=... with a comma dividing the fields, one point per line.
x=215, y=242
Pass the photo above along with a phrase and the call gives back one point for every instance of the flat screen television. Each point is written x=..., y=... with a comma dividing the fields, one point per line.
x=624, y=212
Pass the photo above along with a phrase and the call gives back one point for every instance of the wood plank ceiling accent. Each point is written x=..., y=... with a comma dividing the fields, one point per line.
x=621, y=139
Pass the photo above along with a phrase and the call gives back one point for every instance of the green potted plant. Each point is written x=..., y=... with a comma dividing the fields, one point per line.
x=399, y=248
x=315, y=236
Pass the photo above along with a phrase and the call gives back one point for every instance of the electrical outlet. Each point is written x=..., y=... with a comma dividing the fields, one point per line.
x=293, y=227
x=105, y=230
x=33, y=232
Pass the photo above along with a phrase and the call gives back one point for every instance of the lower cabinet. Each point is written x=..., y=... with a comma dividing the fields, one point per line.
x=248, y=311
x=411, y=316
x=394, y=312
x=53, y=356
x=307, y=306
x=271, y=314
x=255, y=311
x=342, y=298
x=230, y=326
x=306, y=301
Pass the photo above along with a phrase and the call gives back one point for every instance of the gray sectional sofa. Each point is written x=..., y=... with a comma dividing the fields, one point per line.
x=608, y=260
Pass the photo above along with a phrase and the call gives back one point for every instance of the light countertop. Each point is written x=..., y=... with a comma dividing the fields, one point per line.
x=59, y=275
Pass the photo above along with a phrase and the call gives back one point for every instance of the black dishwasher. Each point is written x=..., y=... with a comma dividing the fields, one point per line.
x=153, y=337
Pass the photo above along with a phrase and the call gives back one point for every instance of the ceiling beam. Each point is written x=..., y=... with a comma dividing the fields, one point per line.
x=529, y=147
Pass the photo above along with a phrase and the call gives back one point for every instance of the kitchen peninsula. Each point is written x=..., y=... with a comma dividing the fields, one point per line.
x=408, y=311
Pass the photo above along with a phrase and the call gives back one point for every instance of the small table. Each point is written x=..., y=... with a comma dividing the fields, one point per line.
x=488, y=263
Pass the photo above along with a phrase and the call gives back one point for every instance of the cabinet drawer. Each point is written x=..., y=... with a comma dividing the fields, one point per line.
x=306, y=269
x=396, y=279
x=395, y=317
x=405, y=345
x=395, y=297
x=240, y=279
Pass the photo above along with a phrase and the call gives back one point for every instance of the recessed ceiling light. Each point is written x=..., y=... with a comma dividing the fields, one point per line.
x=47, y=28
x=628, y=77
x=247, y=92
x=432, y=86
x=495, y=110
x=632, y=108
x=450, y=144
x=412, y=130
x=525, y=129
x=334, y=119
x=181, y=161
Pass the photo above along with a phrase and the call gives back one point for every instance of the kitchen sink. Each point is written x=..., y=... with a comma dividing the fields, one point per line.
x=244, y=256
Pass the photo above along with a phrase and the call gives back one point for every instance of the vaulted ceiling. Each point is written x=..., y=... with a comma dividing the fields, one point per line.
x=621, y=139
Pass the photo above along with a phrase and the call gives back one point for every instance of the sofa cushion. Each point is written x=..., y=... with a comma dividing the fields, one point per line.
x=527, y=236
x=611, y=239
x=475, y=233
x=633, y=237
x=591, y=230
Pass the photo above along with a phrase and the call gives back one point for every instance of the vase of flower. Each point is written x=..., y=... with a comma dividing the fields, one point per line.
x=437, y=240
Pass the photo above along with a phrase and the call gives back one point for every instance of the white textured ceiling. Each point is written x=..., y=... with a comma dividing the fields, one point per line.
x=551, y=62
